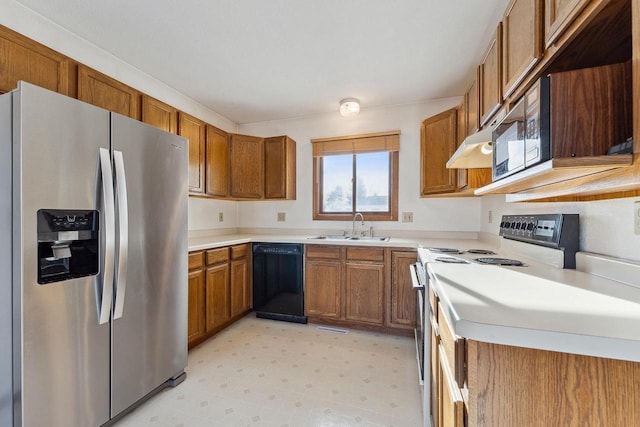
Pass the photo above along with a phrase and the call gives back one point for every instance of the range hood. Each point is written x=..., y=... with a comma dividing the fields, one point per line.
x=474, y=152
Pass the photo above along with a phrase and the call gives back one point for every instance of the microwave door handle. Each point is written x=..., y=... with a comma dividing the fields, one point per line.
x=123, y=234
x=105, y=292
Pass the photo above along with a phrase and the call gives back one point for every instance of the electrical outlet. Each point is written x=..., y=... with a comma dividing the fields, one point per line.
x=407, y=216
x=220, y=217
x=490, y=217
x=282, y=216
x=636, y=218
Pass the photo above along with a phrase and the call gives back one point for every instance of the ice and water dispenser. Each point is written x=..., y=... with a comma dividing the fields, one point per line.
x=67, y=244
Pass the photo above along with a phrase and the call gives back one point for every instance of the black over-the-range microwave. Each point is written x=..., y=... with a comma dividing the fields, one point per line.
x=579, y=113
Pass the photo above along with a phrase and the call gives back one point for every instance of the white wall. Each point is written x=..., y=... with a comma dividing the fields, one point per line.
x=203, y=213
x=606, y=226
x=430, y=214
x=27, y=22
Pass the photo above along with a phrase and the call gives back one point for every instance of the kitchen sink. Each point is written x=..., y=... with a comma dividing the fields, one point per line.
x=350, y=237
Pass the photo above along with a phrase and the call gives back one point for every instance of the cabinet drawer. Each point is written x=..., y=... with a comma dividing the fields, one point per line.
x=215, y=256
x=196, y=260
x=453, y=348
x=365, y=254
x=239, y=251
x=324, y=252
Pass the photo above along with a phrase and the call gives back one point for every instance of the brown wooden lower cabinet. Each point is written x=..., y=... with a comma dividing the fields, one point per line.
x=196, y=324
x=366, y=287
x=240, y=289
x=219, y=290
x=501, y=385
x=218, y=298
x=402, y=309
x=322, y=292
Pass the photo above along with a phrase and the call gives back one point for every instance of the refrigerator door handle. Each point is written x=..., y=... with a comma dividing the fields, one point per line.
x=109, y=244
x=123, y=228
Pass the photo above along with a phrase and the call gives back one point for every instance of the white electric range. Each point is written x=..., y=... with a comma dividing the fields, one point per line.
x=529, y=241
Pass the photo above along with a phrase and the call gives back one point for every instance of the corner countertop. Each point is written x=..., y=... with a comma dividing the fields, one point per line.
x=541, y=307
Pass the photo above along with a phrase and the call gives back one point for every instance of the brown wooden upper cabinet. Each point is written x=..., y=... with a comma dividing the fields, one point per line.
x=194, y=130
x=159, y=114
x=461, y=134
x=490, y=78
x=521, y=42
x=247, y=166
x=280, y=168
x=23, y=59
x=438, y=142
x=217, y=163
x=558, y=15
x=472, y=109
x=97, y=89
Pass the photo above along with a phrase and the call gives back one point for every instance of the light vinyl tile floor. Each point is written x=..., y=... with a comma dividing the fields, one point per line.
x=262, y=372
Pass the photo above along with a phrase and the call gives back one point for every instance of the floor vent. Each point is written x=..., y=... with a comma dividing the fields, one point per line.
x=329, y=329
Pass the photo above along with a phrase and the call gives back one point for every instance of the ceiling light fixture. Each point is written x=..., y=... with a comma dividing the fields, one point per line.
x=349, y=107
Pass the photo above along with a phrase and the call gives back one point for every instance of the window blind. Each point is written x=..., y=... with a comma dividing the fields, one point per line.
x=388, y=141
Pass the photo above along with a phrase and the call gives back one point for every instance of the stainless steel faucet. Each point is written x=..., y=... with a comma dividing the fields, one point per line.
x=353, y=229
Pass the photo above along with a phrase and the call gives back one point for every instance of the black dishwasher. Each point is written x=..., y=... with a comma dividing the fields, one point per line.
x=277, y=281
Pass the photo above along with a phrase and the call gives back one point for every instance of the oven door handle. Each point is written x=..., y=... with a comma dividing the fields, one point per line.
x=415, y=282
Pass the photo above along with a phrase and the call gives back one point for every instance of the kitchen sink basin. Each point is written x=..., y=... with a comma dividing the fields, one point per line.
x=349, y=237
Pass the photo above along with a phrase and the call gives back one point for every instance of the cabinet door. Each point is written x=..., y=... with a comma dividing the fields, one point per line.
x=322, y=288
x=194, y=130
x=247, y=167
x=558, y=14
x=437, y=145
x=239, y=287
x=97, y=89
x=472, y=98
x=403, y=296
x=24, y=59
x=217, y=163
x=461, y=134
x=196, y=323
x=159, y=114
x=364, y=288
x=218, y=303
x=280, y=168
x=490, y=79
x=450, y=409
x=521, y=41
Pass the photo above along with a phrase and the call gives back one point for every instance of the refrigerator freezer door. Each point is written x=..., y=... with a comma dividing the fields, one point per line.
x=6, y=349
x=62, y=361
x=149, y=341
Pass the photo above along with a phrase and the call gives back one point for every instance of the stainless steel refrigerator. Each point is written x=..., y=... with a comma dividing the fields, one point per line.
x=93, y=260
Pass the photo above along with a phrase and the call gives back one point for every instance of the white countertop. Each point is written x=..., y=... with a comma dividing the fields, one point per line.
x=210, y=242
x=541, y=307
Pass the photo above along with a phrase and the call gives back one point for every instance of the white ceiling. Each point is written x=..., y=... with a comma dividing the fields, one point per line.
x=257, y=60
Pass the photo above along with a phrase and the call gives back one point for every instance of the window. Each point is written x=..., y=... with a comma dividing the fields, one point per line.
x=356, y=174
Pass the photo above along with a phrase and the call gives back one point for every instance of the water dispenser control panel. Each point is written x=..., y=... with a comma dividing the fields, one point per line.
x=68, y=245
